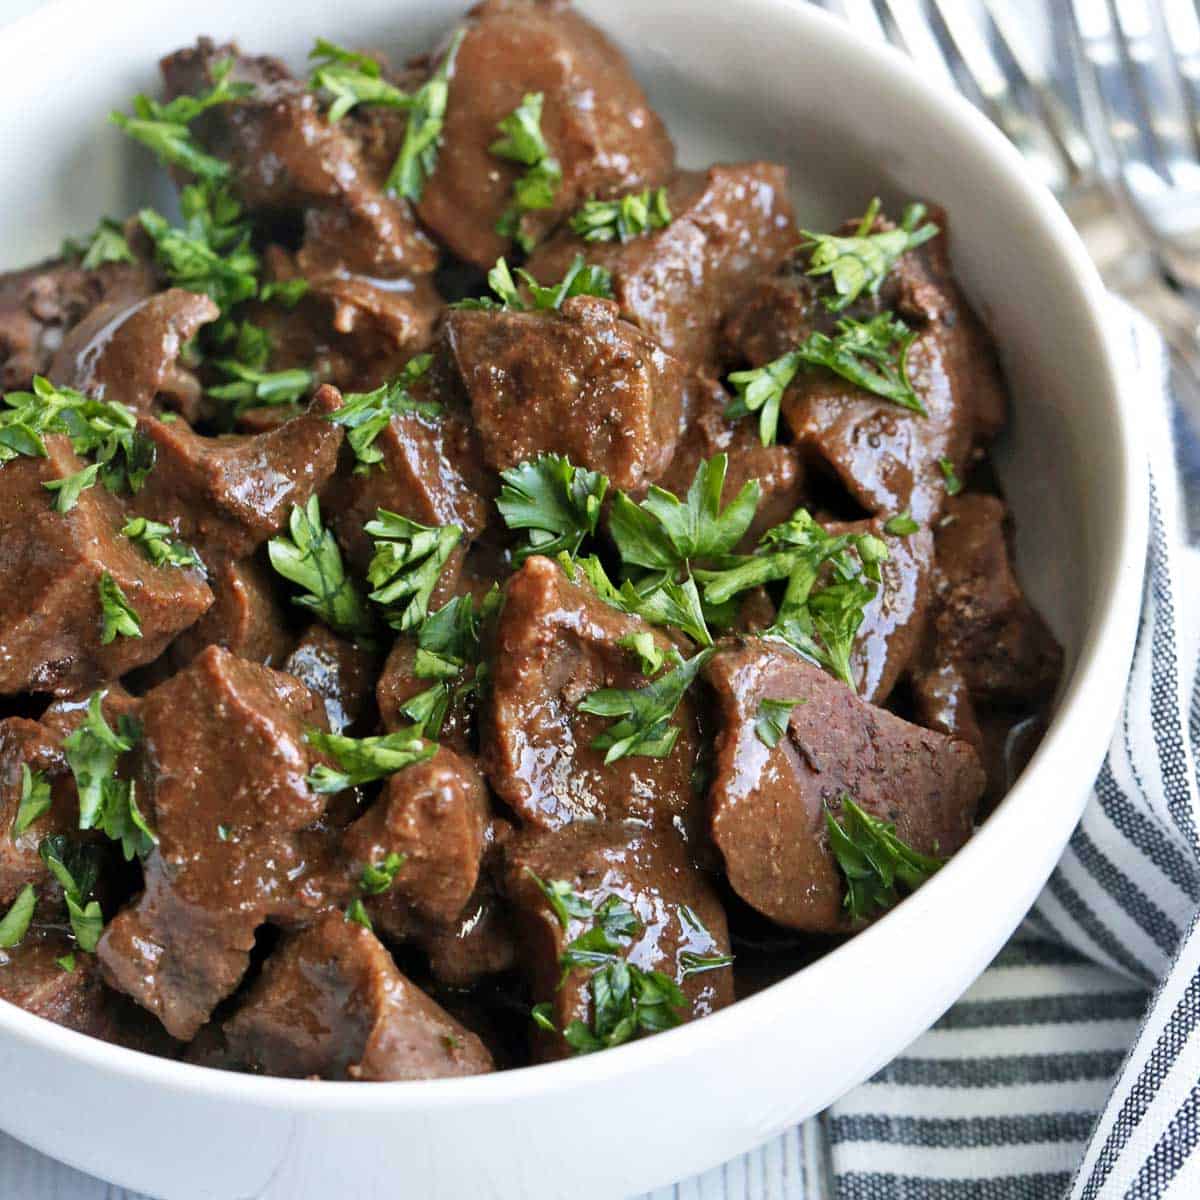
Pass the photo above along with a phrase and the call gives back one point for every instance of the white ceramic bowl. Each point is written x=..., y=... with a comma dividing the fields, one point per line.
x=735, y=80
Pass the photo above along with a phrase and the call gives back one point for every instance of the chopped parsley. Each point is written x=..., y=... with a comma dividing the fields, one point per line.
x=68, y=489
x=66, y=963
x=873, y=860
x=310, y=558
x=76, y=866
x=164, y=127
x=830, y=581
x=557, y=502
x=252, y=387
x=771, y=721
x=105, y=801
x=696, y=964
x=623, y=219
x=580, y=280
x=407, y=564
x=650, y=655
x=158, y=543
x=351, y=79
x=364, y=760
x=356, y=914
x=14, y=925
x=953, y=483
x=418, y=155
x=644, y=727
x=871, y=354
x=35, y=799
x=524, y=143
x=105, y=244
x=378, y=878
x=861, y=262
x=118, y=617
x=365, y=415
x=901, y=525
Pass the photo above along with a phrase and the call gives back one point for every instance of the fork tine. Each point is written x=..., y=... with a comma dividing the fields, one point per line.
x=1183, y=32
x=1030, y=136
x=1061, y=122
x=861, y=14
x=1146, y=60
x=914, y=32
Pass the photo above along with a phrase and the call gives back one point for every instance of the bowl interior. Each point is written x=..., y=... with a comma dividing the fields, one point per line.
x=760, y=78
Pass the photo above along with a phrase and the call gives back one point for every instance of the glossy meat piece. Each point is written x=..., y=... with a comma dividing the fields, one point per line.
x=222, y=779
x=246, y=617
x=595, y=118
x=67, y=713
x=330, y=1004
x=730, y=226
x=556, y=643
x=288, y=158
x=352, y=330
x=40, y=748
x=32, y=978
x=889, y=639
x=435, y=814
x=340, y=672
x=778, y=469
x=886, y=457
x=983, y=625
x=580, y=383
x=768, y=805
x=427, y=471
x=226, y=496
x=39, y=305
x=51, y=565
x=129, y=351
x=678, y=910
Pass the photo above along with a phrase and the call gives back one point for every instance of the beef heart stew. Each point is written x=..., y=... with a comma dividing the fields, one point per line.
x=476, y=591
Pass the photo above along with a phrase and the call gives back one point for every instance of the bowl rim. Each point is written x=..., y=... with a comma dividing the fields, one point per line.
x=1076, y=733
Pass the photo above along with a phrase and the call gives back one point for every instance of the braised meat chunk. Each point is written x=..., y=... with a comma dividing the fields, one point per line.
x=556, y=643
x=223, y=766
x=600, y=134
x=656, y=911
x=768, y=802
x=79, y=603
x=728, y=226
x=580, y=382
x=330, y=1004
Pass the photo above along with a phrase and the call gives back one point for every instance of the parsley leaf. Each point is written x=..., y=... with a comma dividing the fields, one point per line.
x=356, y=914
x=696, y=964
x=35, y=799
x=164, y=127
x=364, y=760
x=76, y=867
x=873, y=860
x=67, y=963
x=417, y=159
x=565, y=902
x=14, y=925
x=622, y=219
x=254, y=388
x=71, y=487
x=351, y=79
x=407, y=564
x=645, y=728
x=649, y=654
x=901, y=525
x=663, y=533
x=556, y=501
x=365, y=415
x=105, y=244
x=761, y=390
x=106, y=802
x=158, y=543
x=117, y=615
x=378, y=878
x=524, y=143
x=670, y=603
x=771, y=721
x=580, y=280
x=953, y=483
x=311, y=559
x=862, y=261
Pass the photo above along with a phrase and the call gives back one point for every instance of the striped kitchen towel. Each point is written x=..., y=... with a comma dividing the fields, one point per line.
x=1072, y=1068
